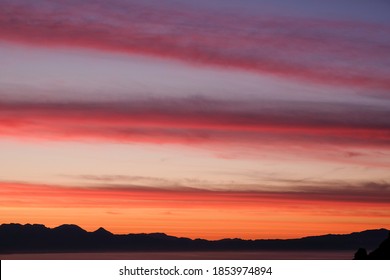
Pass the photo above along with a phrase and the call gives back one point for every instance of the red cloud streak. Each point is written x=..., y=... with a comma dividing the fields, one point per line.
x=353, y=54
x=203, y=121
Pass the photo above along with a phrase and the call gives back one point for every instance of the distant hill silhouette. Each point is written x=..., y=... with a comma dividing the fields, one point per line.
x=381, y=253
x=17, y=238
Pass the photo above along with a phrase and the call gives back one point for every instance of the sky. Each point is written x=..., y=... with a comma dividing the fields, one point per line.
x=203, y=119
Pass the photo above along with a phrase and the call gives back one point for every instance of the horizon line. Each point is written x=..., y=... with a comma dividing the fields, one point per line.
x=180, y=237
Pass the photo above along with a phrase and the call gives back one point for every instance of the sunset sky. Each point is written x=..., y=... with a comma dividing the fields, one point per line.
x=204, y=119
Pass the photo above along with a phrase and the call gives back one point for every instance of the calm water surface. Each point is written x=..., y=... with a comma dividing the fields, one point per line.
x=263, y=255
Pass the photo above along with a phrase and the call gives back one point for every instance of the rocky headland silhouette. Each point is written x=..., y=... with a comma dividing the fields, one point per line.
x=381, y=253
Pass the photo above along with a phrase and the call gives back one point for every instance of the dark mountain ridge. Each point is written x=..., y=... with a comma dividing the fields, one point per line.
x=17, y=238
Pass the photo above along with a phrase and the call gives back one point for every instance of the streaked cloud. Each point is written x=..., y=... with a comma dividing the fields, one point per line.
x=347, y=53
x=186, y=121
x=125, y=195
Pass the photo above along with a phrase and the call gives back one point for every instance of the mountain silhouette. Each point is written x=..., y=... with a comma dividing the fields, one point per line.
x=102, y=232
x=381, y=253
x=17, y=238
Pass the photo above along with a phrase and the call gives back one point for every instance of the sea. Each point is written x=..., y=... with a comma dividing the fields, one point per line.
x=228, y=255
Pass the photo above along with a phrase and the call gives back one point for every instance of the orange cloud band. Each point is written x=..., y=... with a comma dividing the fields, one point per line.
x=200, y=213
x=130, y=196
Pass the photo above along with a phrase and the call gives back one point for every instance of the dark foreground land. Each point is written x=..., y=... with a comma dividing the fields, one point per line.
x=380, y=253
x=72, y=242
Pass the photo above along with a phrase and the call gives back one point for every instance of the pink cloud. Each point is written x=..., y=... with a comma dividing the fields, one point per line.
x=202, y=121
x=351, y=54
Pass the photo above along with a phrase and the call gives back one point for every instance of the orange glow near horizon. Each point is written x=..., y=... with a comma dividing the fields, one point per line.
x=191, y=213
